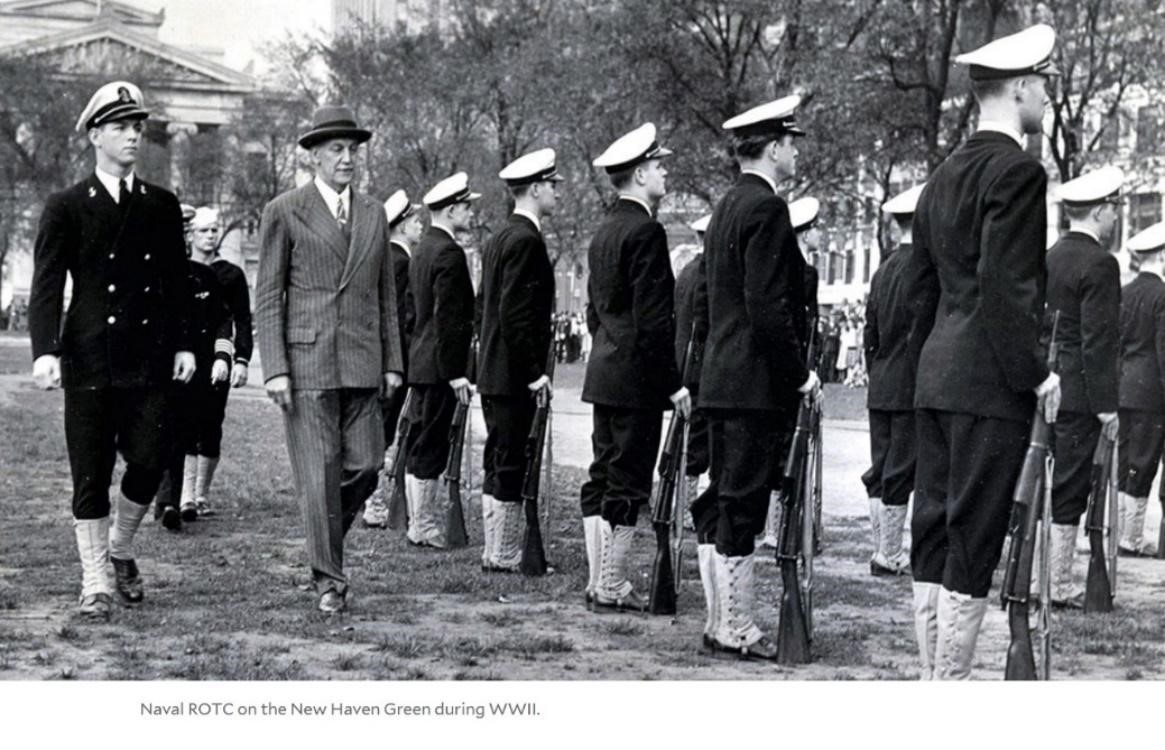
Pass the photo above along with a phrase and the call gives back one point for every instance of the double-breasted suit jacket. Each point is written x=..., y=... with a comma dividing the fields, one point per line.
x=517, y=300
x=326, y=310
x=1084, y=287
x=443, y=309
x=755, y=274
x=630, y=312
x=129, y=310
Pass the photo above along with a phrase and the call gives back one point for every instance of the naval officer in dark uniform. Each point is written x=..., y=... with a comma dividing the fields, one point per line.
x=890, y=397
x=1142, y=385
x=687, y=288
x=439, y=351
x=124, y=339
x=405, y=227
x=754, y=372
x=1084, y=287
x=977, y=277
x=517, y=301
x=631, y=375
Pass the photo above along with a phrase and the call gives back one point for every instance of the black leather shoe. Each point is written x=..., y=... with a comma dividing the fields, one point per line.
x=171, y=519
x=332, y=602
x=490, y=568
x=189, y=512
x=96, y=607
x=129, y=582
x=633, y=602
x=877, y=569
x=1076, y=602
x=763, y=650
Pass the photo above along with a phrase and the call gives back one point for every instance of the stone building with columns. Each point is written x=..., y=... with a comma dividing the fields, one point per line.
x=191, y=95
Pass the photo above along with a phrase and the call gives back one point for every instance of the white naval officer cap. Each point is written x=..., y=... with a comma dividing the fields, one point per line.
x=775, y=118
x=1148, y=241
x=536, y=166
x=1098, y=186
x=117, y=100
x=634, y=148
x=803, y=213
x=904, y=203
x=204, y=216
x=1026, y=52
x=701, y=224
x=453, y=189
x=397, y=208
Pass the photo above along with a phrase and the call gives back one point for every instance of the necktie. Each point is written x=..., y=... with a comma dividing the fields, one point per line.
x=342, y=219
x=123, y=195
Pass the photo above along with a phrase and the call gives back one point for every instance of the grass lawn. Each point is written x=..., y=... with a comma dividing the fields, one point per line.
x=227, y=598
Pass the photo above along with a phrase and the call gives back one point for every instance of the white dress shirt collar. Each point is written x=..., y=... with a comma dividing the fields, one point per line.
x=763, y=176
x=633, y=199
x=991, y=126
x=332, y=198
x=531, y=217
x=1086, y=233
x=402, y=246
x=446, y=230
x=111, y=183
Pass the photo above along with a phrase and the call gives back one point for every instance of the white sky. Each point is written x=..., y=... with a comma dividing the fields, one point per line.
x=237, y=27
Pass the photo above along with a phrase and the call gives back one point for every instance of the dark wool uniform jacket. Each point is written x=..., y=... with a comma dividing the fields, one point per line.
x=1084, y=286
x=756, y=310
x=210, y=318
x=630, y=312
x=443, y=310
x=517, y=300
x=325, y=307
x=233, y=282
x=976, y=278
x=130, y=305
x=887, y=336
x=405, y=315
x=688, y=288
x=1142, y=343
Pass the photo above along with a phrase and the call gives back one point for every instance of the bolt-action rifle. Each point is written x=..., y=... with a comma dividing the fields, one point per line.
x=533, y=561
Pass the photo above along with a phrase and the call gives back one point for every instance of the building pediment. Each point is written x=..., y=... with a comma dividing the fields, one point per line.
x=109, y=46
x=82, y=11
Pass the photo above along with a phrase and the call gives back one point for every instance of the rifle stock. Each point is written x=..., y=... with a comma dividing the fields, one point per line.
x=1027, y=501
x=1098, y=589
x=533, y=562
x=449, y=488
x=394, y=468
x=793, y=640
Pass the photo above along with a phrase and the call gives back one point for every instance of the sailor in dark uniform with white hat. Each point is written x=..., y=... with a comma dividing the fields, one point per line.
x=754, y=372
x=687, y=288
x=890, y=397
x=124, y=339
x=1084, y=287
x=517, y=301
x=977, y=279
x=439, y=351
x=631, y=375
x=1142, y=385
x=405, y=227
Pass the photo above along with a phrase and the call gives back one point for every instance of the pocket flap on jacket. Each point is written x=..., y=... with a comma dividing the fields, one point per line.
x=301, y=335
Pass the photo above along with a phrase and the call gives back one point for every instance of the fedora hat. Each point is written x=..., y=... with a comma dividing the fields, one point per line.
x=333, y=121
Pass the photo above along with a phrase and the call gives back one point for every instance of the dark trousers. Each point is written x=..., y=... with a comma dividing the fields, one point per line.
x=892, y=453
x=747, y=460
x=197, y=410
x=209, y=428
x=1076, y=435
x=966, y=475
x=390, y=409
x=99, y=422
x=1142, y=436
x=428, y=448
x=699, y=444
x=336, y=448
x=625, y=444
x=507, y=422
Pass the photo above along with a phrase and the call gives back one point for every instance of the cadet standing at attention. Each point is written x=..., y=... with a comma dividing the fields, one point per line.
x=631, y=375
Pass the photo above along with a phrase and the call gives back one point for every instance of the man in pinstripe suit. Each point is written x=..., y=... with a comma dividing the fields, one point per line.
x=326, y=319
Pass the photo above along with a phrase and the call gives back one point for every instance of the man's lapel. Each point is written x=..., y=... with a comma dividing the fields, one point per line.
x=317, y=217
x=363, y=221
